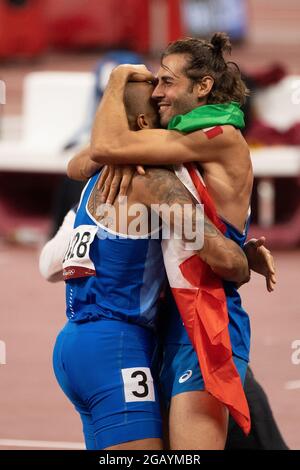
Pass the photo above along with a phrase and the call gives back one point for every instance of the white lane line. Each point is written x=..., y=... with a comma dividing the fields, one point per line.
x=39, y=444
x=292, y=385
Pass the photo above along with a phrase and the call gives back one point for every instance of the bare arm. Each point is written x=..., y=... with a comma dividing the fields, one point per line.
x=113, y=142
x=225, y=257
x=81, y=167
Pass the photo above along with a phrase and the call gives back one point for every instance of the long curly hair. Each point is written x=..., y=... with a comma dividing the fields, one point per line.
x=207, y=58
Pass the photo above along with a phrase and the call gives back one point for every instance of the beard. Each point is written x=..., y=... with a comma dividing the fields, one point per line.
x=178, y=106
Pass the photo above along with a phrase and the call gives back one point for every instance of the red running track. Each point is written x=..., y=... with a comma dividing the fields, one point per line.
x=32, y=407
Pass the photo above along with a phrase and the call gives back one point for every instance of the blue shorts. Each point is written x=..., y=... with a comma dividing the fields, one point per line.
x=180, y=371
x=104, y=369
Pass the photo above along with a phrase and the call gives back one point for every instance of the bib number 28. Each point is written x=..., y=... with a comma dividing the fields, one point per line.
x=77, y=261
x=78, y=246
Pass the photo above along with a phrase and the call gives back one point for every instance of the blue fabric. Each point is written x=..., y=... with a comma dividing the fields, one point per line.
x=239, y=325
x=129, y=275
x=181, y=371
x=88, y=360
x=179, y=356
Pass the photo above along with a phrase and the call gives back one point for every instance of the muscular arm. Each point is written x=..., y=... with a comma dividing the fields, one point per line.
x=113, y=142
x=81, y=167
x=225, y=257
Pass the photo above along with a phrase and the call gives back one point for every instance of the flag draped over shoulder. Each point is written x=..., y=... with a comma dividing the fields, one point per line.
x=197, y=290
x=209, y=115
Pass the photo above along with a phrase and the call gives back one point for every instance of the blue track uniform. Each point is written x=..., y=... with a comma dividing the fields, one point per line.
x=102, y=357
x=180, y=371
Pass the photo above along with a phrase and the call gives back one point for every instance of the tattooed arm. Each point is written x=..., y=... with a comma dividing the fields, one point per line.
x=162, y=187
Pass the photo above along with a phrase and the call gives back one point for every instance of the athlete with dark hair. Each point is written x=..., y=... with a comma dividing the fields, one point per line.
x=198, y=94
x=102, y=357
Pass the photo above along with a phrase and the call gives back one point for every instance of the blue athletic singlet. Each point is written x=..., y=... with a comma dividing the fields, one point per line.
x=239, y=325
x=111, y=275
x=180, y=370
x=102, y=358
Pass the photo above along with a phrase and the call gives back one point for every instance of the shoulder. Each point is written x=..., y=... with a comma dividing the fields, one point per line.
x=213, y=141
x=154, y=176
x=217, y=134
x=159, y=185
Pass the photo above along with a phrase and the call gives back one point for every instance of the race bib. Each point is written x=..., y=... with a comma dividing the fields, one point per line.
x=138, y=384
x=77, y=261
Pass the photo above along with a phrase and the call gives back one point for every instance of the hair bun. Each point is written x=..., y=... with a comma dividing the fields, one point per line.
x=221, y=43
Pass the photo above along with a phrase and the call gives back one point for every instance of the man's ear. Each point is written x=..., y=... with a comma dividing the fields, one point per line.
x=142, y=122
x=204, y=87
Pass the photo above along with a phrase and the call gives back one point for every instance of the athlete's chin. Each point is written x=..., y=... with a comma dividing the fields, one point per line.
x=165, y=118
x=164, y=122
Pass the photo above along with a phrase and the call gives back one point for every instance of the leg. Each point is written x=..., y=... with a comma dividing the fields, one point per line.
x=197, y=421
x=63, y=380
x=87, y=428
x=118, y=393
x=142, y=444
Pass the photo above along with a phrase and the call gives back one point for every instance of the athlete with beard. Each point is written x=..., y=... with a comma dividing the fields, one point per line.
x=102, y=357
x=198, y=95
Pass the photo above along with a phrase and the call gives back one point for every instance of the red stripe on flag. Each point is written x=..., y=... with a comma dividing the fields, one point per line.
x=206, y=200
x=211, y=133
x=205, y=316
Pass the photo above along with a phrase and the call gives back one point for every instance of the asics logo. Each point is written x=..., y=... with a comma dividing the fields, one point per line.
x=186, y=376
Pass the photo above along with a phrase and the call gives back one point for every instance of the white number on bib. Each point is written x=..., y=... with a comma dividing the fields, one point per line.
x=138, y=384
x=77, y=262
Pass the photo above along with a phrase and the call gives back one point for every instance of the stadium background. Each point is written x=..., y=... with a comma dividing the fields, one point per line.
x=45, y=36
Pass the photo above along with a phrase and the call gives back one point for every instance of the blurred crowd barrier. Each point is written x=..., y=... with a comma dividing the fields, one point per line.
x=29, y=27
x=273, y=133
x=23, y=30
x=50, y=134
x=37, y=155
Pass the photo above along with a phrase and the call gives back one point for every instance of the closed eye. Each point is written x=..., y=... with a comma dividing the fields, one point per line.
x=167, y=80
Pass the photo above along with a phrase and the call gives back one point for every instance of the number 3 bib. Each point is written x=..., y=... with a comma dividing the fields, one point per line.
x=77, y=261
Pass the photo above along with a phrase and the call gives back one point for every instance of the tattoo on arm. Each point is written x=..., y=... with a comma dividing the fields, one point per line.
x=164, y=188
x=94, y=203
x=209, y=229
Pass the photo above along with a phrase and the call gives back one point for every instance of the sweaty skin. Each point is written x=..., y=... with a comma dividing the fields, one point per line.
x=197, y=420
x=225, y=159
x=162, y=187
x=172, y=147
